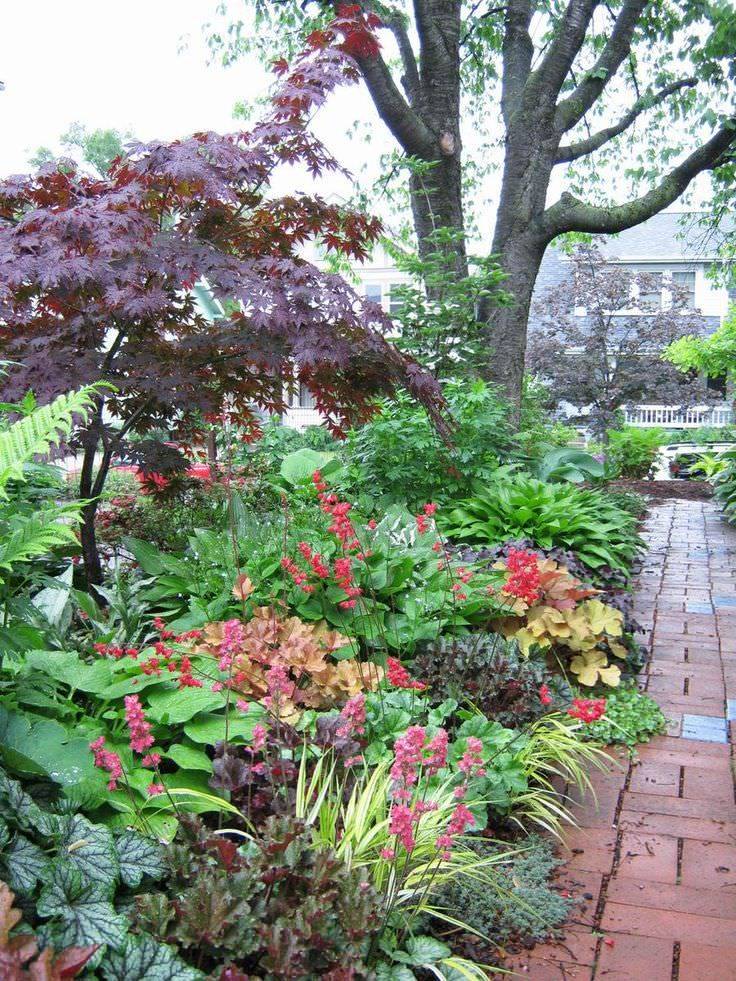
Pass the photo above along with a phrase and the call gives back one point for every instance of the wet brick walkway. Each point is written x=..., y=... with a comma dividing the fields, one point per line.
x=654, y=859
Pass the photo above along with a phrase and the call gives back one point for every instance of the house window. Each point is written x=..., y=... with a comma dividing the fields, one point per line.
x=686, y=281
x=303, y=399
x=650, y=288
x=395, y=302
x=374, y=292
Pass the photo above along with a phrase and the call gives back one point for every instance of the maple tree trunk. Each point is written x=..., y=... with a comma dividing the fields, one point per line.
x=90, y=552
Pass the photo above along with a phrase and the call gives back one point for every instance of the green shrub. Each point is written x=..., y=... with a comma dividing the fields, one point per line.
x=631, y=717
x=630, y=501
x=399, y=456
x=514, y=505
x=631, y=453
x=524, y=908
x=725, y=485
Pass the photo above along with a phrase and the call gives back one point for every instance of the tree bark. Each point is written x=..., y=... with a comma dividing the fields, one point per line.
x=507, y=325
x=90, y=552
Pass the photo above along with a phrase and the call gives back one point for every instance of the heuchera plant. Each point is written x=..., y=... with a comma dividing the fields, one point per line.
x=178, y=279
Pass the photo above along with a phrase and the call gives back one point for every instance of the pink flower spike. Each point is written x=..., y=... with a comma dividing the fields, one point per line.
x=140, y=730
x=156, y=788
x=106, y=760
x=259, y=737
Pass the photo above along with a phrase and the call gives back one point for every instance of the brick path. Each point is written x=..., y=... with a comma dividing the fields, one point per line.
x=654, y=861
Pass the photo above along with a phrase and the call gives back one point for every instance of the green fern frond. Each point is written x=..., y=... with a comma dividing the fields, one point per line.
x=36, y=433
x=34, y=535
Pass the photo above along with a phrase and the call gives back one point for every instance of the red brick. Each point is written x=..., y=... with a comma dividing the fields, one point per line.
x=678, y=899
x=678, y=827
x=669, y=684
x=714, y=963
x=681, y=807
x=711, y=865
x=590, y=850
x=707, y=784
x=598, y=811
x=648, y=857
x=691, y=752
x=643, y=958
x=694, y=705
x=541, y=970
x=660, y=743
x=643, y=922
x=651, y=777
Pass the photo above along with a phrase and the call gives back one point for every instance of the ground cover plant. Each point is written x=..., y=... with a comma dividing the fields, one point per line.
x=632, y=717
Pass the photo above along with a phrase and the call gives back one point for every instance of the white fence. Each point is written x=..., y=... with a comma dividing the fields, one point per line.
x=676, y=417
x=299, y=418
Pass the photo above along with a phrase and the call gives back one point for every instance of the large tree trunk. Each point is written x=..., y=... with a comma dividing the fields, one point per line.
x=507, y=325
x=436, y=202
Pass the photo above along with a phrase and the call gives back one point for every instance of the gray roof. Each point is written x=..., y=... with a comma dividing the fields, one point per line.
x=670, y=235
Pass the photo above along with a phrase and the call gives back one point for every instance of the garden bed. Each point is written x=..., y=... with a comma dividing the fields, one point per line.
x=661, y=490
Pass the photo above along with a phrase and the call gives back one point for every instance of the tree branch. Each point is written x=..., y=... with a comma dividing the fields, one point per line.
x=595, y=141
x=572, y=109
x=518, y=51
x=569, y=214
x=549, y=77
x=414, y=137
x=410, y=80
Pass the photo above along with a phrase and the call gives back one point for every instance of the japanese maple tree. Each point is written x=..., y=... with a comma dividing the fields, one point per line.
x=99, y=280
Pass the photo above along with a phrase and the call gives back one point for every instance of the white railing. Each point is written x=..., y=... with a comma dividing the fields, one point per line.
x=299, y=418
x=676, y=417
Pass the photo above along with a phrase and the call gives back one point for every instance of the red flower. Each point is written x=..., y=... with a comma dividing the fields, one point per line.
x=524, y=581
x=399, y=677
x=545, y=695
x=587, y=709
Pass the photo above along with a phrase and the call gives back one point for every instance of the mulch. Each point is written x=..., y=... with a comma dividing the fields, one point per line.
x=661, y=490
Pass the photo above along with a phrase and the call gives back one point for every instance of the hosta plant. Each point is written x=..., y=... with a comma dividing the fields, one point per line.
x=551, y=515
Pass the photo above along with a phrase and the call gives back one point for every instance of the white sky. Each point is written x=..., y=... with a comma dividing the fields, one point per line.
x=120, y=65
x=110, y=64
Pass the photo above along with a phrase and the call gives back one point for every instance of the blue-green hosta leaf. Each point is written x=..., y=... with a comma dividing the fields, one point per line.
x=82, y=910
x=91, y=849
x=139, y=856
x=189, y=758
x=68, y=668
x=144, y=959
x=25, y=863
x=210, y=727
x=177, y=706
